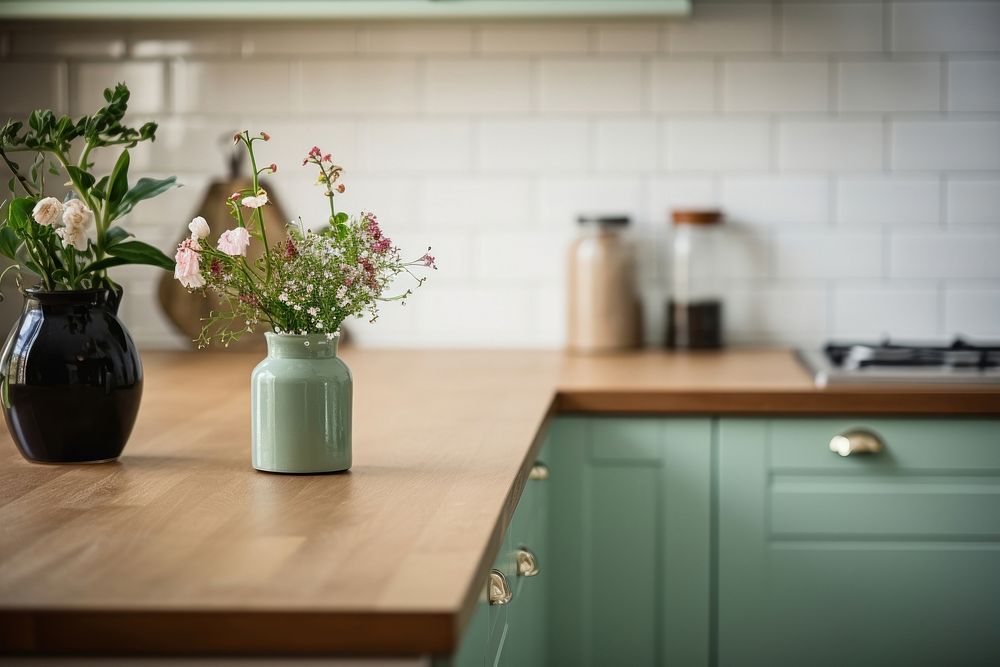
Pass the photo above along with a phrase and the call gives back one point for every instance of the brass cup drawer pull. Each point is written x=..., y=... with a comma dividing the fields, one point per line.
x=539, y=472
x=527, y=563
x=857, y=441
x=498, y=589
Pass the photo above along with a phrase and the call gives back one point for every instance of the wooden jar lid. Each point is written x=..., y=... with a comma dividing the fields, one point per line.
x=696, y=216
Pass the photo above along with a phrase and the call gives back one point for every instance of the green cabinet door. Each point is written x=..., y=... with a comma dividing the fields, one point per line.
x=629, y=522
x=886, y=559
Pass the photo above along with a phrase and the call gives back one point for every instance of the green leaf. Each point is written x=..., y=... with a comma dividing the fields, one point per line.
x=145, y=188
x=9, y=242
x=82, y=180
x=137, y=252
x=19, y=214
x=340, y=218
x=115, y=235
x=105, y=263
x=118, y=182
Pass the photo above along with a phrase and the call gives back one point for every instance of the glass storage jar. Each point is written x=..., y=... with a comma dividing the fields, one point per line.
x=603, y=310
x=694, y=311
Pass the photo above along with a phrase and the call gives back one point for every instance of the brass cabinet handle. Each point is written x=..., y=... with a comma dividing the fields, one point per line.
x=539, y=472
x=527, y=564
x=499, y=590
x=857, y=441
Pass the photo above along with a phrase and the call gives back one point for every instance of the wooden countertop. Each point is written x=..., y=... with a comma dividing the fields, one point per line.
x=182, y=548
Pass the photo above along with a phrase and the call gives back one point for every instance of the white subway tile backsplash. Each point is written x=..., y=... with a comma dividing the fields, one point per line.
x=478, y=86
x=477, y=202
x=889, y=86
x=725, y=27
x=590, y=86
x=783, y=200
x=145, y=83
x=828, y=254
x=533, y=38
x=717, y=145
x=973, y=311
x=628, y=38
x=854, y=146
x=945, y=255
x=974, y=202
x=831, y=27
x=519, y=146
x=376, y=85
x=415, y=145
x=515, y=257
x=666, y=193
x=946, y=144
x=410, y=38
x=626, y=145
x=562, y=199
x=460, y=315
x=275, y=39
x=179, y=42
x=682, y=85
x=974, y=85
x=38, y=86
x=775, y=86
x=874, y=311
x=775, y=314
x=830, y=144
x=213, y=87
x=946, y=25
x=888, y=201
x=46, y=43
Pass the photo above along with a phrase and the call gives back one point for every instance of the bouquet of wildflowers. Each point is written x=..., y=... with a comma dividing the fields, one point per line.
x=308, y=284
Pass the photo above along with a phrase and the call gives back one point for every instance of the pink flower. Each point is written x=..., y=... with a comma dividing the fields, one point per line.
x=265, y=136
x=382, y=245
x=428, y=260
x=341, y=188
x=188, y=264
x=235, y=241
x=291, y=252
x=273, y=168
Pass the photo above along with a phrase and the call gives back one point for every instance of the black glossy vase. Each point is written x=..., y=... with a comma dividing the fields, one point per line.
x=71, y=377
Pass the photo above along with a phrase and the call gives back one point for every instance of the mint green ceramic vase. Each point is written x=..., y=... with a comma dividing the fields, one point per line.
x=301, y=406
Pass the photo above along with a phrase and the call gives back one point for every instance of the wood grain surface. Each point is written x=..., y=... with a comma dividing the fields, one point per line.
x=182, y=548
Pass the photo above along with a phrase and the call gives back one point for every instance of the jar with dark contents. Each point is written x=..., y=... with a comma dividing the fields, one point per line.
x=694, y=310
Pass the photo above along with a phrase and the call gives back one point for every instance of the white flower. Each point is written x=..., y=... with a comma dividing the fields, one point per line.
x=75, y=236
x=199, y=228
x=48, y=211
x=255, y=202
x=77, y=216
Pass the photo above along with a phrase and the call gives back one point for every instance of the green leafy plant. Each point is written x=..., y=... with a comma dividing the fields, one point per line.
x=70, y=242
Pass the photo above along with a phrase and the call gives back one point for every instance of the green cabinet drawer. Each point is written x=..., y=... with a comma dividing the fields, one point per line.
x=891, y=558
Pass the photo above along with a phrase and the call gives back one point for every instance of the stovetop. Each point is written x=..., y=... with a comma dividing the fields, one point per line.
x=960, y=362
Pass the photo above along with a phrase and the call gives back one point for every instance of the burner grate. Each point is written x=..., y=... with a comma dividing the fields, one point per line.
x=960, y=355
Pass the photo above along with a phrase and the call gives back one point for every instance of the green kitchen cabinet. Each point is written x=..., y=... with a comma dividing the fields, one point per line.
x=875, y=559
x=630, y=523
x=515, y=633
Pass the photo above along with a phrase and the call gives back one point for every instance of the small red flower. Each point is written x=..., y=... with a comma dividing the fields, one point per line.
x=273, y=168
x=327, y=158
x=234, y=197
x=291, y=252
x=341, y=188
x=216, y=268
x=265, y=136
